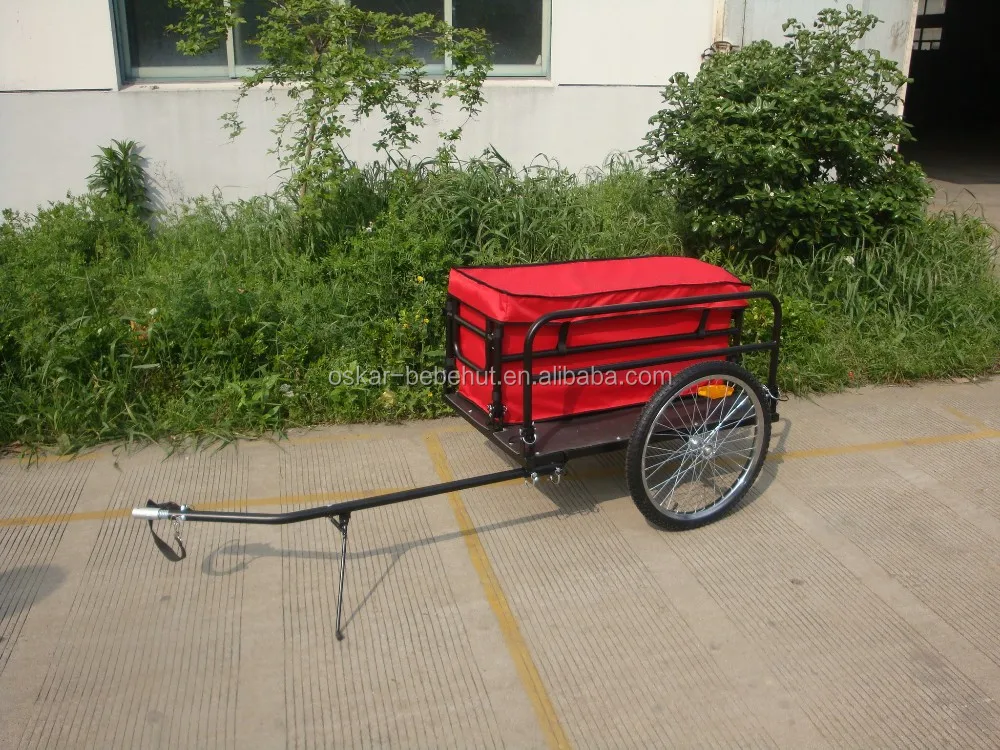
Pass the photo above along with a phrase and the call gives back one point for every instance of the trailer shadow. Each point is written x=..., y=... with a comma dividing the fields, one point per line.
x=603, y=478
x=22, y=587
x=213, y=564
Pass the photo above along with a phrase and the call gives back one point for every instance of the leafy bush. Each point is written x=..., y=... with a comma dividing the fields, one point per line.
x=339, y=64
x=120, y=177
x=923, y=301
x=228, y=320
x=777, y=148
x=491, y=212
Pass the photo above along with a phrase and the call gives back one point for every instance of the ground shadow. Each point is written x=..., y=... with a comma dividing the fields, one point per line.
x=968, y=159
x=219, y=561
x=604, y=477
x=21, y=587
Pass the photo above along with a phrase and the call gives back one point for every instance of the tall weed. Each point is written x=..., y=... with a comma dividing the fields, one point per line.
x=230, y=317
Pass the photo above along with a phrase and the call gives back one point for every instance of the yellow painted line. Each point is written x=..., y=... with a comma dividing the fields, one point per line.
x=96, y=515
x=842, y=450
x=968, y=419
x=304, y=440
x=231, y=504
x=835, y=450
x=545, y=711
x=319, y=497
x=460, y=428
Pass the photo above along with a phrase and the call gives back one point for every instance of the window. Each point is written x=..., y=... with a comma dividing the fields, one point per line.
x=244, y=52
x=514, y=26
x=927, y=38
x=932, y=7
x=930, y=25
x=421, y=48
x=149, y=52
x=519, y=30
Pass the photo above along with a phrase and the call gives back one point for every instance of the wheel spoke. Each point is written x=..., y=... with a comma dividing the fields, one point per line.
x=731, y=439
x=673, y=475
x=718, y=465
x=707, y=473
x=653, y=463
x=661, y=420
x=742, y=400
x=665, y=451
x=682, y=471
x=715, y=475
x=688, y=464
x=650, y=474
x=699, y=449
x=705, y=413
x=713, y=406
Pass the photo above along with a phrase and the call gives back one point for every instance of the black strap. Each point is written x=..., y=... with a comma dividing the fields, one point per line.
x=168, y=551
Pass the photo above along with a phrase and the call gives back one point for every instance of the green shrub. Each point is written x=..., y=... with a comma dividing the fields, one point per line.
x=230, y=317
x=921, y=302
x=120, y=177
x=775, y=148
x=493, y=213
x=348, y=204
x=60, y=274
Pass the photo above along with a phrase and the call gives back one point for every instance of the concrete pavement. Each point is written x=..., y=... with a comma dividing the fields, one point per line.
x=851, y=602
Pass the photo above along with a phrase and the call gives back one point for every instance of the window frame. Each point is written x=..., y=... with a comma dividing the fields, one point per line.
x=231, y=71
x=929, y=22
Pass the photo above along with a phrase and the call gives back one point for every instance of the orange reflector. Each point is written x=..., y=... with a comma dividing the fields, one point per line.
x=715, y=391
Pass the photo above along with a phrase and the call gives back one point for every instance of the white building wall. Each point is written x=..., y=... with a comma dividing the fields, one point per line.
x=59, y=96
x=628, y=42
x=609, y=59
x=47, y=140
x=749, y=20
x=56, y=45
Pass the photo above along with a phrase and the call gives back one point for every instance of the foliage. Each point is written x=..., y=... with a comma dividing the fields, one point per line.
x=222, y=322
x=490, y=212
x=227, y=321
x=771, y=149
x=340, y=64
x=120, y=177
x=922, y=301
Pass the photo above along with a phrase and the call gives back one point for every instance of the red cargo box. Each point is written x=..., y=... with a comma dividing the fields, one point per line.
x=509, y=299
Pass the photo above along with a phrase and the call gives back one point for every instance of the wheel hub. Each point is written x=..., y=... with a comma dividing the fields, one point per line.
x=706, y=444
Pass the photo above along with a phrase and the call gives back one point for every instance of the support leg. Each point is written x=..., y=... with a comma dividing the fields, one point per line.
x=341, y=523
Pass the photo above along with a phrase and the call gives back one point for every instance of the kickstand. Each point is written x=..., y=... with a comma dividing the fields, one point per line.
x=341, y=523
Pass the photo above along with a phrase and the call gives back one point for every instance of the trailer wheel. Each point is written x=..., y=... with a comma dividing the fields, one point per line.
x=698, y=445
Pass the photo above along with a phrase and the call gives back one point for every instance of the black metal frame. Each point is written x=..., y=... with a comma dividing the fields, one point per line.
x=573, y=436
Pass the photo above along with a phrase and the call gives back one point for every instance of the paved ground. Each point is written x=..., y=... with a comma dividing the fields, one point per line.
x=851, y=603
x=965, y=172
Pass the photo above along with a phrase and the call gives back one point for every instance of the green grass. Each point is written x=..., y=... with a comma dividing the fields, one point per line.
x=228, y=318
x=922, y=303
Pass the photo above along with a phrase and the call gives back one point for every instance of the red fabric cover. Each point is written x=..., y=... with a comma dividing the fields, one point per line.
x=522, y=294
x=517, y=296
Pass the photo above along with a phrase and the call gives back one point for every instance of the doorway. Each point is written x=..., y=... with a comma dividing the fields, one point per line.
x=952, y=103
